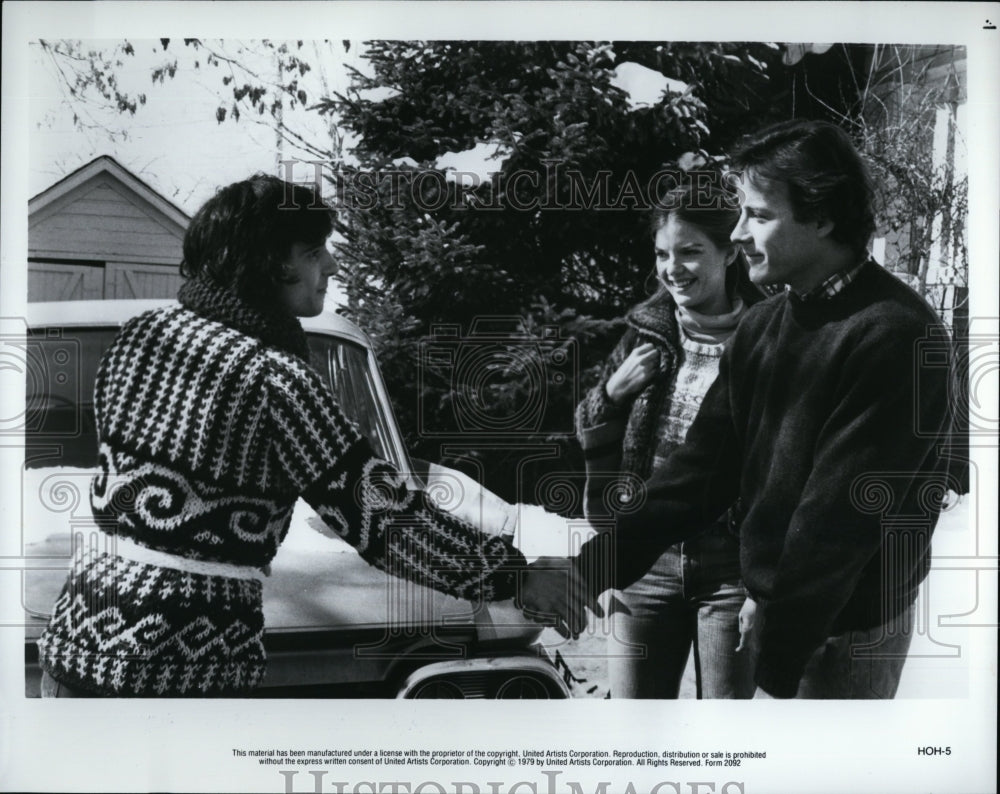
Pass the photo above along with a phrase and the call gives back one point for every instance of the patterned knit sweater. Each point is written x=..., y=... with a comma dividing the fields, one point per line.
x=698, y=369
x=211, y=424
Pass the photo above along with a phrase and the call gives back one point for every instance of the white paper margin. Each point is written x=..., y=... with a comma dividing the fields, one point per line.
x=122, y=745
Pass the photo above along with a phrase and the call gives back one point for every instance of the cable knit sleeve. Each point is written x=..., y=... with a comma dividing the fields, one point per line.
x=598, y=420
x=600, y=428
x=365, y=500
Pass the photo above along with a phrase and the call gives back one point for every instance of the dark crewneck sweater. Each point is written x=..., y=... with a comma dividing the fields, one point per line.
x=826, y=427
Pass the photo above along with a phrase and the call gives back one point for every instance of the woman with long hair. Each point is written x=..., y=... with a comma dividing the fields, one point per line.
x=648, y=393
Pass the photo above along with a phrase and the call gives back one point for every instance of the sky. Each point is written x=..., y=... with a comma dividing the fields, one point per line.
x=174, y=142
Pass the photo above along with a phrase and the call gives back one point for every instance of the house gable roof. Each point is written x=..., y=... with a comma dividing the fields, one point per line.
x=106, y=164
x=102, y=212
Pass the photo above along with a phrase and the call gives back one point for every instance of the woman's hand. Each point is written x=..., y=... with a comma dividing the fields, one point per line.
x=634, y=373
x=746, y=617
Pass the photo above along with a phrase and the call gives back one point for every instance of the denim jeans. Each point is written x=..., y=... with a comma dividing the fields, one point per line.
x=690, y=599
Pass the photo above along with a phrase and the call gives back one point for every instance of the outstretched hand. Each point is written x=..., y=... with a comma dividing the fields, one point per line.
x=554, y=590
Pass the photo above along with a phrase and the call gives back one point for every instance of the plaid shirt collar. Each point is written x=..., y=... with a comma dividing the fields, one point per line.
x=834, y=284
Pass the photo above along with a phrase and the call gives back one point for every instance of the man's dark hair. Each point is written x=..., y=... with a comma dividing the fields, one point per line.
x=824, y=172
x=241, y=237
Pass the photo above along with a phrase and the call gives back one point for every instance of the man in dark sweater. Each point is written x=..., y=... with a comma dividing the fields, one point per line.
x=821, y=428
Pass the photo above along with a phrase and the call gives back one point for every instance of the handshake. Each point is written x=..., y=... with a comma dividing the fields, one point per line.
x=554, y=587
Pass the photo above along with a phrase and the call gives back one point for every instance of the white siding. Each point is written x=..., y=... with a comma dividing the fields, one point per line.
x=105, y=221
x=128, y=245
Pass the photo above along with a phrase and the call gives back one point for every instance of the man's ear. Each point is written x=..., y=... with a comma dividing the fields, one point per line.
x=824, y=227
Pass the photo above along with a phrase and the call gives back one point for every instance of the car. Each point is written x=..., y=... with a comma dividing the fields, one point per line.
x=335, y=626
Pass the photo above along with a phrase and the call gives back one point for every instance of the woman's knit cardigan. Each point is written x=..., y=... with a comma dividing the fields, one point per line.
x=618, y=440
x=211, y=424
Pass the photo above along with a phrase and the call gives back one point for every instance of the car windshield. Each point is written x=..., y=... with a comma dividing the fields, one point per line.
x=345, y=367
x=61, y=365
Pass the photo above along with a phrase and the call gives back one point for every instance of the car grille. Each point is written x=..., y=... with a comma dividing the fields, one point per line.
x=484, y=686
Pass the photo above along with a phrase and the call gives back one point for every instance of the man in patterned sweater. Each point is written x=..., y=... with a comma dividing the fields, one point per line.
x=821, y=426
x=211, y=424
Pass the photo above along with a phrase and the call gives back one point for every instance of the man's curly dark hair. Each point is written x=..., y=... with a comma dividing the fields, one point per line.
x=241, y=237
